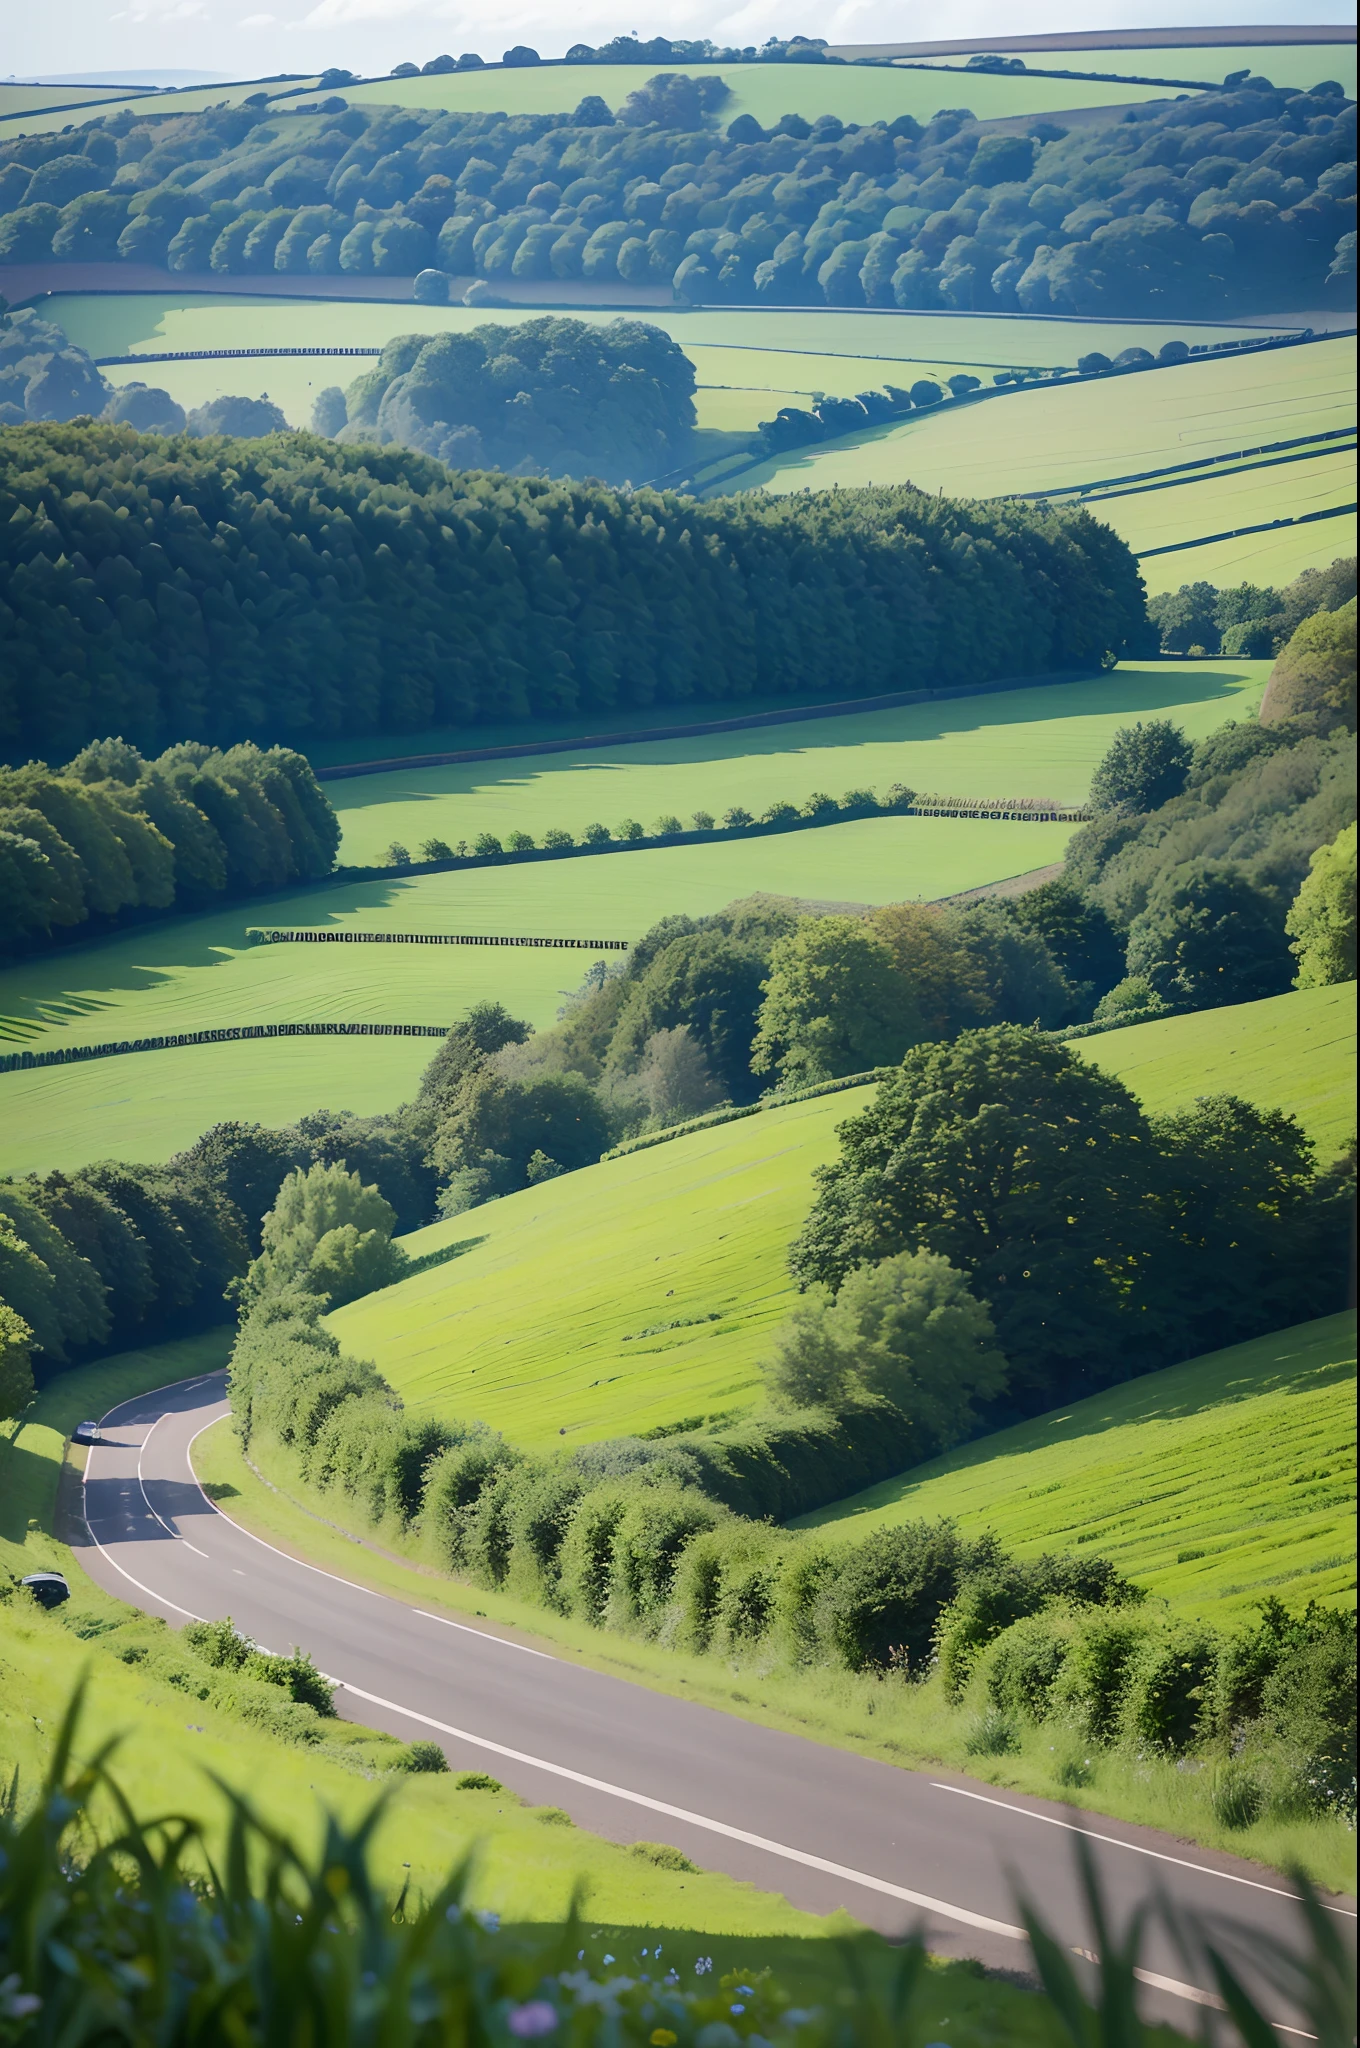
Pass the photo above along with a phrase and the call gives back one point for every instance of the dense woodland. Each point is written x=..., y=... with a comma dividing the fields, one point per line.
x=1222, y=200
x=110, y=834
x=290, y=588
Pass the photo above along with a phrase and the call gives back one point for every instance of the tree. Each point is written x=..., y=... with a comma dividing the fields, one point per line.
x=16, y=1369
x=906, y=1330
x=710, y=984
x=945, y=976
x=327, y=1233
x=1030, y=1170
x=328, y=412
x=147, y=408
x=486, y=1028
x=834, y=1004
x=1207, y=937
x=1077, y=933
x=1313, y=681
x=676, y=1078
x=1146, y=766
x=496, y=1124
x=1321, y=920
x=244, y=418
x=248, y=1163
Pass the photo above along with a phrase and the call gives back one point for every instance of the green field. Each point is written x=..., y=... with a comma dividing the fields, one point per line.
x=778, y=356
x=1047, y=437
x=197, y=973
x=1213, y=1484
x=191, y=99
x=1294, y=1052
x=1043, y=742
x=564, y=1295
x=563, y=1276
x=1266, y=559
x=18, y=100
x=765, y=90
x=1300, y=65
x=1221, y=500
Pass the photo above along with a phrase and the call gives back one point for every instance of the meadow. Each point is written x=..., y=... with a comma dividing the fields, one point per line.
x=1050, y=437
x=191, y=99
x=1213, y=1484
x=1300, y=65
x=764, y=90
x=561, y=1275
x=1293, y=1052
x=776, y=356
x=1269, y=560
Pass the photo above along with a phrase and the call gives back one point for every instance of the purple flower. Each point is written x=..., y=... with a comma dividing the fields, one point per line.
x=532, y=2021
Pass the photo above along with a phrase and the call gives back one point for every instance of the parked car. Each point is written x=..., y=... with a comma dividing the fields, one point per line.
x=49, y=1589
x=85, y=1433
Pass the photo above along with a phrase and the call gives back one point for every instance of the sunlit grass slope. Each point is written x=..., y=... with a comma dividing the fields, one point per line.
x=1043, y=742
x=167, y=1745
x=568, y=1277
x=748, y=364
x=565, y=1276
x=1213, y=1484
x=765, y=90
x=1049, y=436
x=1294, y=1052
x=1299, y=65
x=1266, y=559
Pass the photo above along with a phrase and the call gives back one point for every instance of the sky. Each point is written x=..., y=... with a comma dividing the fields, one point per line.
x=249, y=38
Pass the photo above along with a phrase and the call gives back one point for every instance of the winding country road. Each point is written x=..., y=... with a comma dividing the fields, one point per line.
x=824, y=1826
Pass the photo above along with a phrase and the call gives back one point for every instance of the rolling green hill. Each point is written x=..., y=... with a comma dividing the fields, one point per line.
x=569, y=1277
x=1213, y=1484
x=1294, y=1052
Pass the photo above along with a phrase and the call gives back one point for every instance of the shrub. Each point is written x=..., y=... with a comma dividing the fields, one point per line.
x=662, y=1854
x=296, y=1675
x=1169, y=1688
x=588, y=1553
x=420, y=1757
x=486, y=843
x=881, y=1606
x=991, y=1734
x=477, y=1781
x=519, y=842
x=702, y=821
x=667, y=827
x=737, y=819
x=651, y=1534
x=1025, y=1662
x=1095, y=1671
x=556, y=838
x=630, y=830
x=395, y=855
x=1321, y=920
x=1236, y=1796
x=595, y=835
x=435, y=849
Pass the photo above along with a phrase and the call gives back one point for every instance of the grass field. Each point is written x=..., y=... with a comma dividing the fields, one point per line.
x=1044, y=438
x=1266, y=559
x=1220, y=501
x=565, y=1295
x=777, y=356
x=1043, y=742
x=191, y=99
x=1299, y=65
x=197, y=973
x=1213, y=1484
x=1294, y=1052
x=765, y=90
x=564, y=1276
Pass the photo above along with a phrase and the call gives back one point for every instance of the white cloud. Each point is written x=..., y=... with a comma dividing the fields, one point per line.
x=258, y=21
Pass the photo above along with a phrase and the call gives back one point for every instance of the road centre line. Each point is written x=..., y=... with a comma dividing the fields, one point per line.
x=141, y=1452
x=1138, y=1848
x=353, y=1584
x=699, y=1820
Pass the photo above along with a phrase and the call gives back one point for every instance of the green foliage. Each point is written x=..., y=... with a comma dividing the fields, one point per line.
x=907, y=1331
x=1313, y=682
x=1321, y=920
x=1208, y=937
x=16, y=1370
x=567, y=397
x=402, y=596
x=326, y=1233
x=834, y=1004
x=112, y=832
x=1145, y=767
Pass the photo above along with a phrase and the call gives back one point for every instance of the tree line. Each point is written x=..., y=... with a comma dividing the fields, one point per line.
x=1248, y=621
x=110, y=834
x=292, y=588
x=1187, y=209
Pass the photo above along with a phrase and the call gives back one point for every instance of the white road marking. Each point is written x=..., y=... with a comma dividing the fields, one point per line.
x=485, y=1635
x=147, y=1497
x=1204, y=1869
x=699, y=1820
x=287, y=1554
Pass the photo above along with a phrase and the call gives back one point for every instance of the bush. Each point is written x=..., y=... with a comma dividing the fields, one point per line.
x=1025, y=1662
x=1095, y=1672
x=991, y=1734
x=1144, y=767
x=880, y=1607
x=650, y=1536
x=1169, y=1689
x=1236, y=1796
x=477, y=1781
x=420, y=1757
x=662, y=1854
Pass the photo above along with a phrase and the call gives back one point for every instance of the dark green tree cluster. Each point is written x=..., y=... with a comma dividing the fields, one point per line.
x=1249, y=620
x=551, y=396
x=1197, y=854
x=1185, y=208
x=286, y=587
x=112, y=833
x=1102, y=1240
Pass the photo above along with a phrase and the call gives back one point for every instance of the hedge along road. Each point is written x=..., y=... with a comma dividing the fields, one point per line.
x=827, y=1828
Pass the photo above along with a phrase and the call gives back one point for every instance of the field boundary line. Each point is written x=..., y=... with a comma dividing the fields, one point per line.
x=1178, y=547
x=223, y=1034
x=1139, y=476
x=276, y=935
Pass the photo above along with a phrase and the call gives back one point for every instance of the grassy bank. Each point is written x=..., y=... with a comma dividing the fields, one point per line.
x=909, y=1725
x=1212, y=1484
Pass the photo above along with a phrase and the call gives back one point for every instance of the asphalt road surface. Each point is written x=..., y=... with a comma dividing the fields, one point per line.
x=825, y=1827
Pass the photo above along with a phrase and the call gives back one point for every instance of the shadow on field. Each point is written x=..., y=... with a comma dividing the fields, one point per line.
x=1129, y=692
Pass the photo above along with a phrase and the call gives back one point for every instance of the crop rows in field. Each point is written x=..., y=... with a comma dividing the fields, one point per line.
x=222, y=1034
x=1213, y=1484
